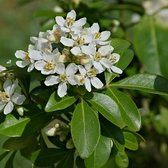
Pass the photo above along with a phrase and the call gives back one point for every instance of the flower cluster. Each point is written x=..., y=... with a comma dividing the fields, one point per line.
x=70, y=54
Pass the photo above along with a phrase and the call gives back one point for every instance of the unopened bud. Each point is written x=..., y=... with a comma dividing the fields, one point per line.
x=70, y=144
x=20, y=110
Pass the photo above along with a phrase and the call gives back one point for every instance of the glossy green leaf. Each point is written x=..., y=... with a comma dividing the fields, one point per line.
x=85, y=129
x=150, y=37
x=101, y=153
x=12, y=126
x=129, y=111
x=131, y=141
x=3, y=155
x=56, y=103
x=121, y=159
x=107, y=107
x=9, y=163
x=144, y=82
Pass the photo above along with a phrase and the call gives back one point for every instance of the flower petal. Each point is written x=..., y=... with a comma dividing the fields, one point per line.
x=60, y=69
x=76, y=50
x=60, y=20
x=106, y=62
x=116, y=70
x=88, y=84
x=82, y=70
x=39, y=65
x=105, y=35
x=62, y=89
x=20, y=54
x=80, y=22
x=88, y=50
x=8, y=108
x=98, y=66
x=71, y=14
x=2, y=105
x=96, y=82
x=35, y=55
x=95, y=28
x=7, y=86
x=18, y=98
x=116, y=56
x=105, y=50
x=22, y=64
x=67, y=41
x=71, y=69
x=30, y=68
x=51, y=80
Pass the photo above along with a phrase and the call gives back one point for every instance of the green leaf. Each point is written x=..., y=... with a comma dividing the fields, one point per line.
x=9, y=163
x=108, y=108
x=101, y=153
x=56, y=103
x=121, y=159
x=16, y=143
x=12, y=126
x=144, y=82
x=120, y=45
x=85, y=129
x=129, y=111
x=3, y=155
x=49, y=156
x=152, y=50
x=131, y=141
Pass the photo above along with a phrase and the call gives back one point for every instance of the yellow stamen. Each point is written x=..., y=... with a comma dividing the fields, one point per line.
x=97, y=35
x=98, y=56
x=49, y=66
x=63, y=77
x=4, y=97
x=80, y=41
x=27, y=58
x=92, y=72
x=70, y=21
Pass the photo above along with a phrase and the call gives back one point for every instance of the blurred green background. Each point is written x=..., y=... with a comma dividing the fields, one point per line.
x=143, y=23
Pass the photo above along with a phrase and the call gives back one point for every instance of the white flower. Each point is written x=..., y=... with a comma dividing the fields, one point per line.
x=10, y=96
x=27, y=58
x=69, y=24
x=90, y=77
x=2, y=68
x=41, y=42
x=49, y=63
x=99, y=37
x=114, y=58
x=66, y=75
x=99, y=57
x=77, y=42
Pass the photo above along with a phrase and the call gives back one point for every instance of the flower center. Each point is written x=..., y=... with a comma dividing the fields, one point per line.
x=80, y=79
x=27, y=58
x=70, y=21
x=4, y=97
x=97, y=35
x=112, y=59
x=92, y=72
x=57, y=35
x=63, y=77
x=98, y=56
x=49, y=66
x=80, y=41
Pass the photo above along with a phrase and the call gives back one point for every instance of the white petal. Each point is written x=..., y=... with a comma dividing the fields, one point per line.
x=80, y=22
x=117, y=57
x=116, y=70
x=95, y=28
x=51, y=80
x=67, y=41
x=60, y=69
x=98, y=66
x=18, y=98
x=88, y=50
x=35, y=55
x=30, y=68
x=106, y=62
x=2, y=105
x=66, y=30
x=71, y=14
x=76, y=50
x=8, y=108
x=71, y=69
x=22, y=64
x=105, y=35
x=82, y=70
x=39, y=65
x=105, y=50
x=20, y=54
x=2, y=68
x=71, y=80
x=7, y=86
x=60, y=20
x=62, y=89
x=88, y=84
x=96, y=82
x=13, y=87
